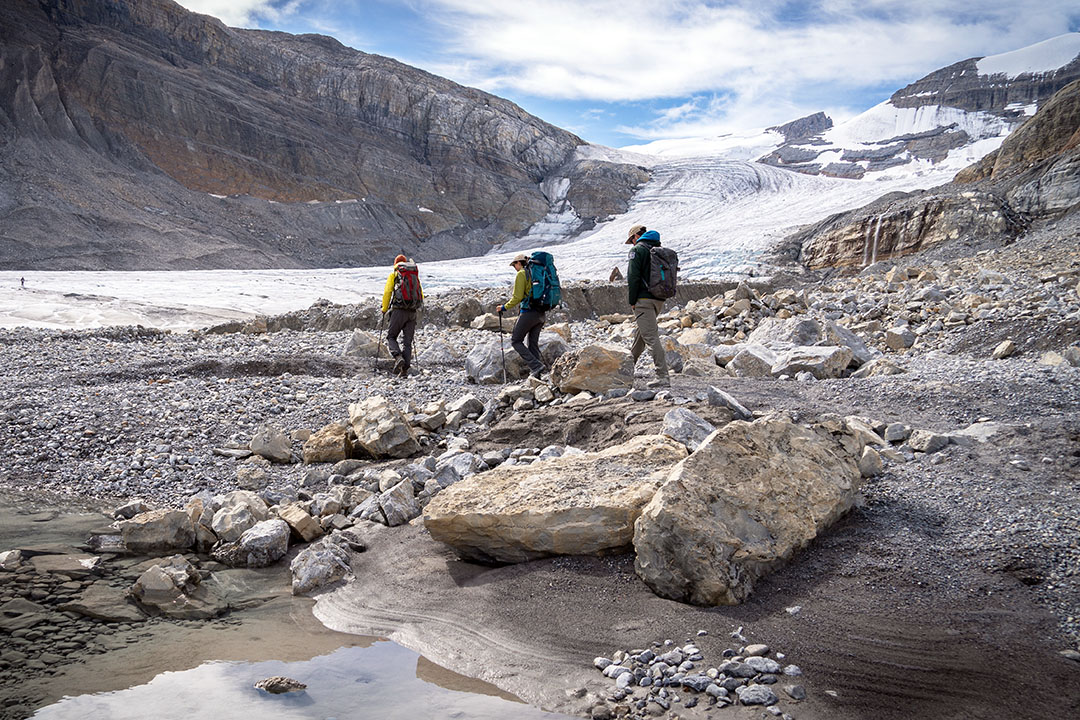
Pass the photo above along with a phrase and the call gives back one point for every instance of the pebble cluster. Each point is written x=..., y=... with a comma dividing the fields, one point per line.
x=666, y=676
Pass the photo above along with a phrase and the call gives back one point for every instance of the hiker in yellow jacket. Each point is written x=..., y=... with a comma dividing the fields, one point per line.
x=530, y=320
x=403, y=297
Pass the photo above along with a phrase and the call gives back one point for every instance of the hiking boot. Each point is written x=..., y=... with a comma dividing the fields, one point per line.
x=539, y=374
x=658, y=383
x=400, y=368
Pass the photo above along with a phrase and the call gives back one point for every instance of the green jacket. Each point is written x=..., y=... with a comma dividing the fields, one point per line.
x=521, y=282
x=637, y=274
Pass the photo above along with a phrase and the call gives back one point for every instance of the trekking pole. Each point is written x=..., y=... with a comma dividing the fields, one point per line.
x=502, y=350
x=378, y=348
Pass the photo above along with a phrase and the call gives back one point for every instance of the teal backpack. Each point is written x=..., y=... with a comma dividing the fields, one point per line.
x=546, y=291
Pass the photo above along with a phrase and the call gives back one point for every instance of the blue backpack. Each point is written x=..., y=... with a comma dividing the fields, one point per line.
x=546, y=291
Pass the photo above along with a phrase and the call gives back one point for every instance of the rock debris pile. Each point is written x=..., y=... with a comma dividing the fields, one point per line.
x=660, y=679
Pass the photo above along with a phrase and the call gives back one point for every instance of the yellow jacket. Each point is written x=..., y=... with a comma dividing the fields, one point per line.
x=521, y=282
x=388, y=291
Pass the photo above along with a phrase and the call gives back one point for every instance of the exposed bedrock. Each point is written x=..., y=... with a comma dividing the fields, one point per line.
x=121, y=118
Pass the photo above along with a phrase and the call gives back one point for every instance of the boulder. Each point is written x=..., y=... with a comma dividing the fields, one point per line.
x=773, y=331
x=300, y=521
x=687, y=427
x=437, y=353
x=899, y=338
x=834, y=334
x=230, y=522
x=594, y=368
x=719, y=398
x=820, y=361
x=464, y=312
x=319, y=564
x=381, y=429
x=752, y=361
x=453, y=467
x=255, y=504
x=485, y=363
x=877, y=367
x=365, y=345
x=399, y=504
x=1003, y=350
x=158, y=532
x=272, y=443
x=571, y=505
x=739, y=506
x=261, y=545
x=252, y=475
x=490, y=321
x=467, y=405
x=173, y=588
x=329, y=443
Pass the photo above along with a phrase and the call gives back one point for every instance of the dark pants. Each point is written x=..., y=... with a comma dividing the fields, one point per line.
x=529, y=324
x=402, y=322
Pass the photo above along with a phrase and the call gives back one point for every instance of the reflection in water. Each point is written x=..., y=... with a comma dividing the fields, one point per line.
x=382, y=681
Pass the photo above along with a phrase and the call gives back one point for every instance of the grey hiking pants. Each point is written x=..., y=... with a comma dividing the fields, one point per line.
x=402, y=322
x=529, y=324
x=647, y=333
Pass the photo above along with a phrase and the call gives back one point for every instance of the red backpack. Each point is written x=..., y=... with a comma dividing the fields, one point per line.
x=407, y=292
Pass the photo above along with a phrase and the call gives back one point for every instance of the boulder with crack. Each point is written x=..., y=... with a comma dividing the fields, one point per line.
x=572, y=505
x=742, y=504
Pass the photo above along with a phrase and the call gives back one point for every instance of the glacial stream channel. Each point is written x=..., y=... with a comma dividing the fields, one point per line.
x=165, y=669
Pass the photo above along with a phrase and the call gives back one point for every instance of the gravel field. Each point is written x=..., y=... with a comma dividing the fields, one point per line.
x=981, y=542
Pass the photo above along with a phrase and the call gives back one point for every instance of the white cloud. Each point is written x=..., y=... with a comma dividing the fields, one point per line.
x=243, y=13
x=755, y=56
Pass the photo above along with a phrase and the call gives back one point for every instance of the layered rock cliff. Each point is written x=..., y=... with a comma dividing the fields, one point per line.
x=1033, y=177
x=138, y=134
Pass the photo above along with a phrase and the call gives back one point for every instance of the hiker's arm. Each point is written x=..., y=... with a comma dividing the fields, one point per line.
x=388, y=291
x=633, y=275
x=519, y=290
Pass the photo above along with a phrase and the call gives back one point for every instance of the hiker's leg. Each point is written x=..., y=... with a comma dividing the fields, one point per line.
x=637, y=346
x=534, y=339
x=408, y=330
x=653, y=338
x=397, y=323
x=525, y=322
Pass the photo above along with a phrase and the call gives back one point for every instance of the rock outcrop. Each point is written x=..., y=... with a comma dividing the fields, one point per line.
x=744, y=502
x=248, y=148
x=570, y=505
x=1034, y=175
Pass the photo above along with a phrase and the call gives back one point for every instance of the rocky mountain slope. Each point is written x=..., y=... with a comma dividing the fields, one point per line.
x=1034, y=178
x=135, y=134
x=975, y=102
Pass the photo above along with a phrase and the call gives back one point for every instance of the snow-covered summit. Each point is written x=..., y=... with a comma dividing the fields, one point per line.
x=1044, y=57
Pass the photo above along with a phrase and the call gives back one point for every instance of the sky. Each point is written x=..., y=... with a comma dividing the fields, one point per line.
x=623, y=72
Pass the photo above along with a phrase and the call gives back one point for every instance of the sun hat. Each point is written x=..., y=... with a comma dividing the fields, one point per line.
x=634, y=232
x=521, y=258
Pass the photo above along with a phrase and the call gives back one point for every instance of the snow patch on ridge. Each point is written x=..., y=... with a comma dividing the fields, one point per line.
x=1044, y=57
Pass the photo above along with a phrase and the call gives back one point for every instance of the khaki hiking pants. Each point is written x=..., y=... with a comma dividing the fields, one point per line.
x=647, y=333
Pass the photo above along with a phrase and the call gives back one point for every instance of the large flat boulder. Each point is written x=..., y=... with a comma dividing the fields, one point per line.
x=571, y=505
x=821, y=361
x=742, y=504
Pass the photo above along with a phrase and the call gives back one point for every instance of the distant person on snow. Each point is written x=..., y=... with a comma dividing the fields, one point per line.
x=530, y=320
x=22, y=282
x=403, y=297
x=645, y=301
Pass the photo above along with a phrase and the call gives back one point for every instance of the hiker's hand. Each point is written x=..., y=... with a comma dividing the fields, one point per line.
x=500, y=309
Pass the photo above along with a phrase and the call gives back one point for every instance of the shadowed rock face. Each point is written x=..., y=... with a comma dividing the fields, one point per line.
x=121, y=117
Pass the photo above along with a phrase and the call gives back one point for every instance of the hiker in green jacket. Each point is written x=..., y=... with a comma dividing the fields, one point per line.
x=646, y=306
x=530, y=320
